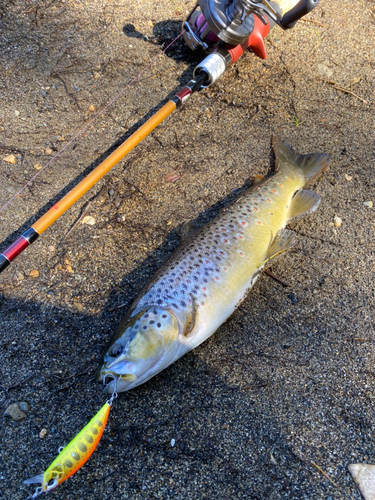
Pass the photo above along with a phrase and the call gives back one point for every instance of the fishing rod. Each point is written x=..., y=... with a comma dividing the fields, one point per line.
x=224, y=29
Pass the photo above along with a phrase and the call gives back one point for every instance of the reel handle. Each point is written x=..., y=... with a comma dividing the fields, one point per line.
x=293, y=15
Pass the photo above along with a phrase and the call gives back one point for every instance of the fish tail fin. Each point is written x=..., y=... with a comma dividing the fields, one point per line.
x=311, y=165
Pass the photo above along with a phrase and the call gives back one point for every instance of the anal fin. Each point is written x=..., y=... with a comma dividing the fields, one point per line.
x=303, y=203
x=284, y=239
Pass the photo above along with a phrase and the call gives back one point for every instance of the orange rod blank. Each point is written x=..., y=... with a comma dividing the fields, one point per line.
x=69, y=199
x=34, y=231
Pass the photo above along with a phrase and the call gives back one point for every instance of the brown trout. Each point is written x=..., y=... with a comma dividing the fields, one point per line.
x=210, y=273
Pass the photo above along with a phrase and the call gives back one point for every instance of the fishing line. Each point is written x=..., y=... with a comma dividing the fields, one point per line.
x=16, y=195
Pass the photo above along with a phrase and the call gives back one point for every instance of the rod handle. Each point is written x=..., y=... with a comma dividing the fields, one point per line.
x=293, y=15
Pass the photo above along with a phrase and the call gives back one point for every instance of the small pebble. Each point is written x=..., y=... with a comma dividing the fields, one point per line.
x=15, y=412
x=48, y=151
x=38, y=166
x=368, y=204
x=89, y=220
x=272, y=459
x=43, y=433
x=78, y=306
x=91, y=107
x=173, y=442
x=364, y=477
x=51, y=249
x=24, y=406
x=111, y=192
x=337, y=221
x=20, y=276
x=34, y=274
x=293, y=297
x=10, y=159
x=16, y=112
x=172, y=177
x=348, y=177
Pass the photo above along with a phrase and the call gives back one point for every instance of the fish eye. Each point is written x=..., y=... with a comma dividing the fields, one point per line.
x=116, y=350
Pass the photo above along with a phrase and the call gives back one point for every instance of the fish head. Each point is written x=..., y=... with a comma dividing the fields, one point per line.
x=144, y=344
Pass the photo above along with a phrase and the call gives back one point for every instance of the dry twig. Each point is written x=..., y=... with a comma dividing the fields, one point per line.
x=324, y=474
x=271, y=275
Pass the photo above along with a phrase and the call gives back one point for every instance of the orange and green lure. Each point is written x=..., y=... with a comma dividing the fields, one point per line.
x=74, y=455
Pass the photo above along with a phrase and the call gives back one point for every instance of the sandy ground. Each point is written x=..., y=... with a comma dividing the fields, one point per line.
x=286, y=385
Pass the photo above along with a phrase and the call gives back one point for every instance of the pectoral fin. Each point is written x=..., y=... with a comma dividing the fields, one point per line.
x=284, y=239
x=303, y=203
x=188, y=229
x=192, y=320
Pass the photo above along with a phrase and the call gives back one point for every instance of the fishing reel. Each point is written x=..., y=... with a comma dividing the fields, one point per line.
x=227, y=28
x=232, y=21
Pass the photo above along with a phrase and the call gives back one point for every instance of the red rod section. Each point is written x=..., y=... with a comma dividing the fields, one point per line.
x=16, y=248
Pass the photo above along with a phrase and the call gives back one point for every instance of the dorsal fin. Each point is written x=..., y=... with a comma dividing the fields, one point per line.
x=303, y=203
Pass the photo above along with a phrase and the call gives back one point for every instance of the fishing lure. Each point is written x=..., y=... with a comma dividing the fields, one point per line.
x=75, y=454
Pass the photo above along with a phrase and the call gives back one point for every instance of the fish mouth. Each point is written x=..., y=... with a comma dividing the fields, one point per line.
x=116, y=383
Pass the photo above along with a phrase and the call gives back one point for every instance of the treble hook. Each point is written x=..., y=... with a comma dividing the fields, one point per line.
x=114, y=393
